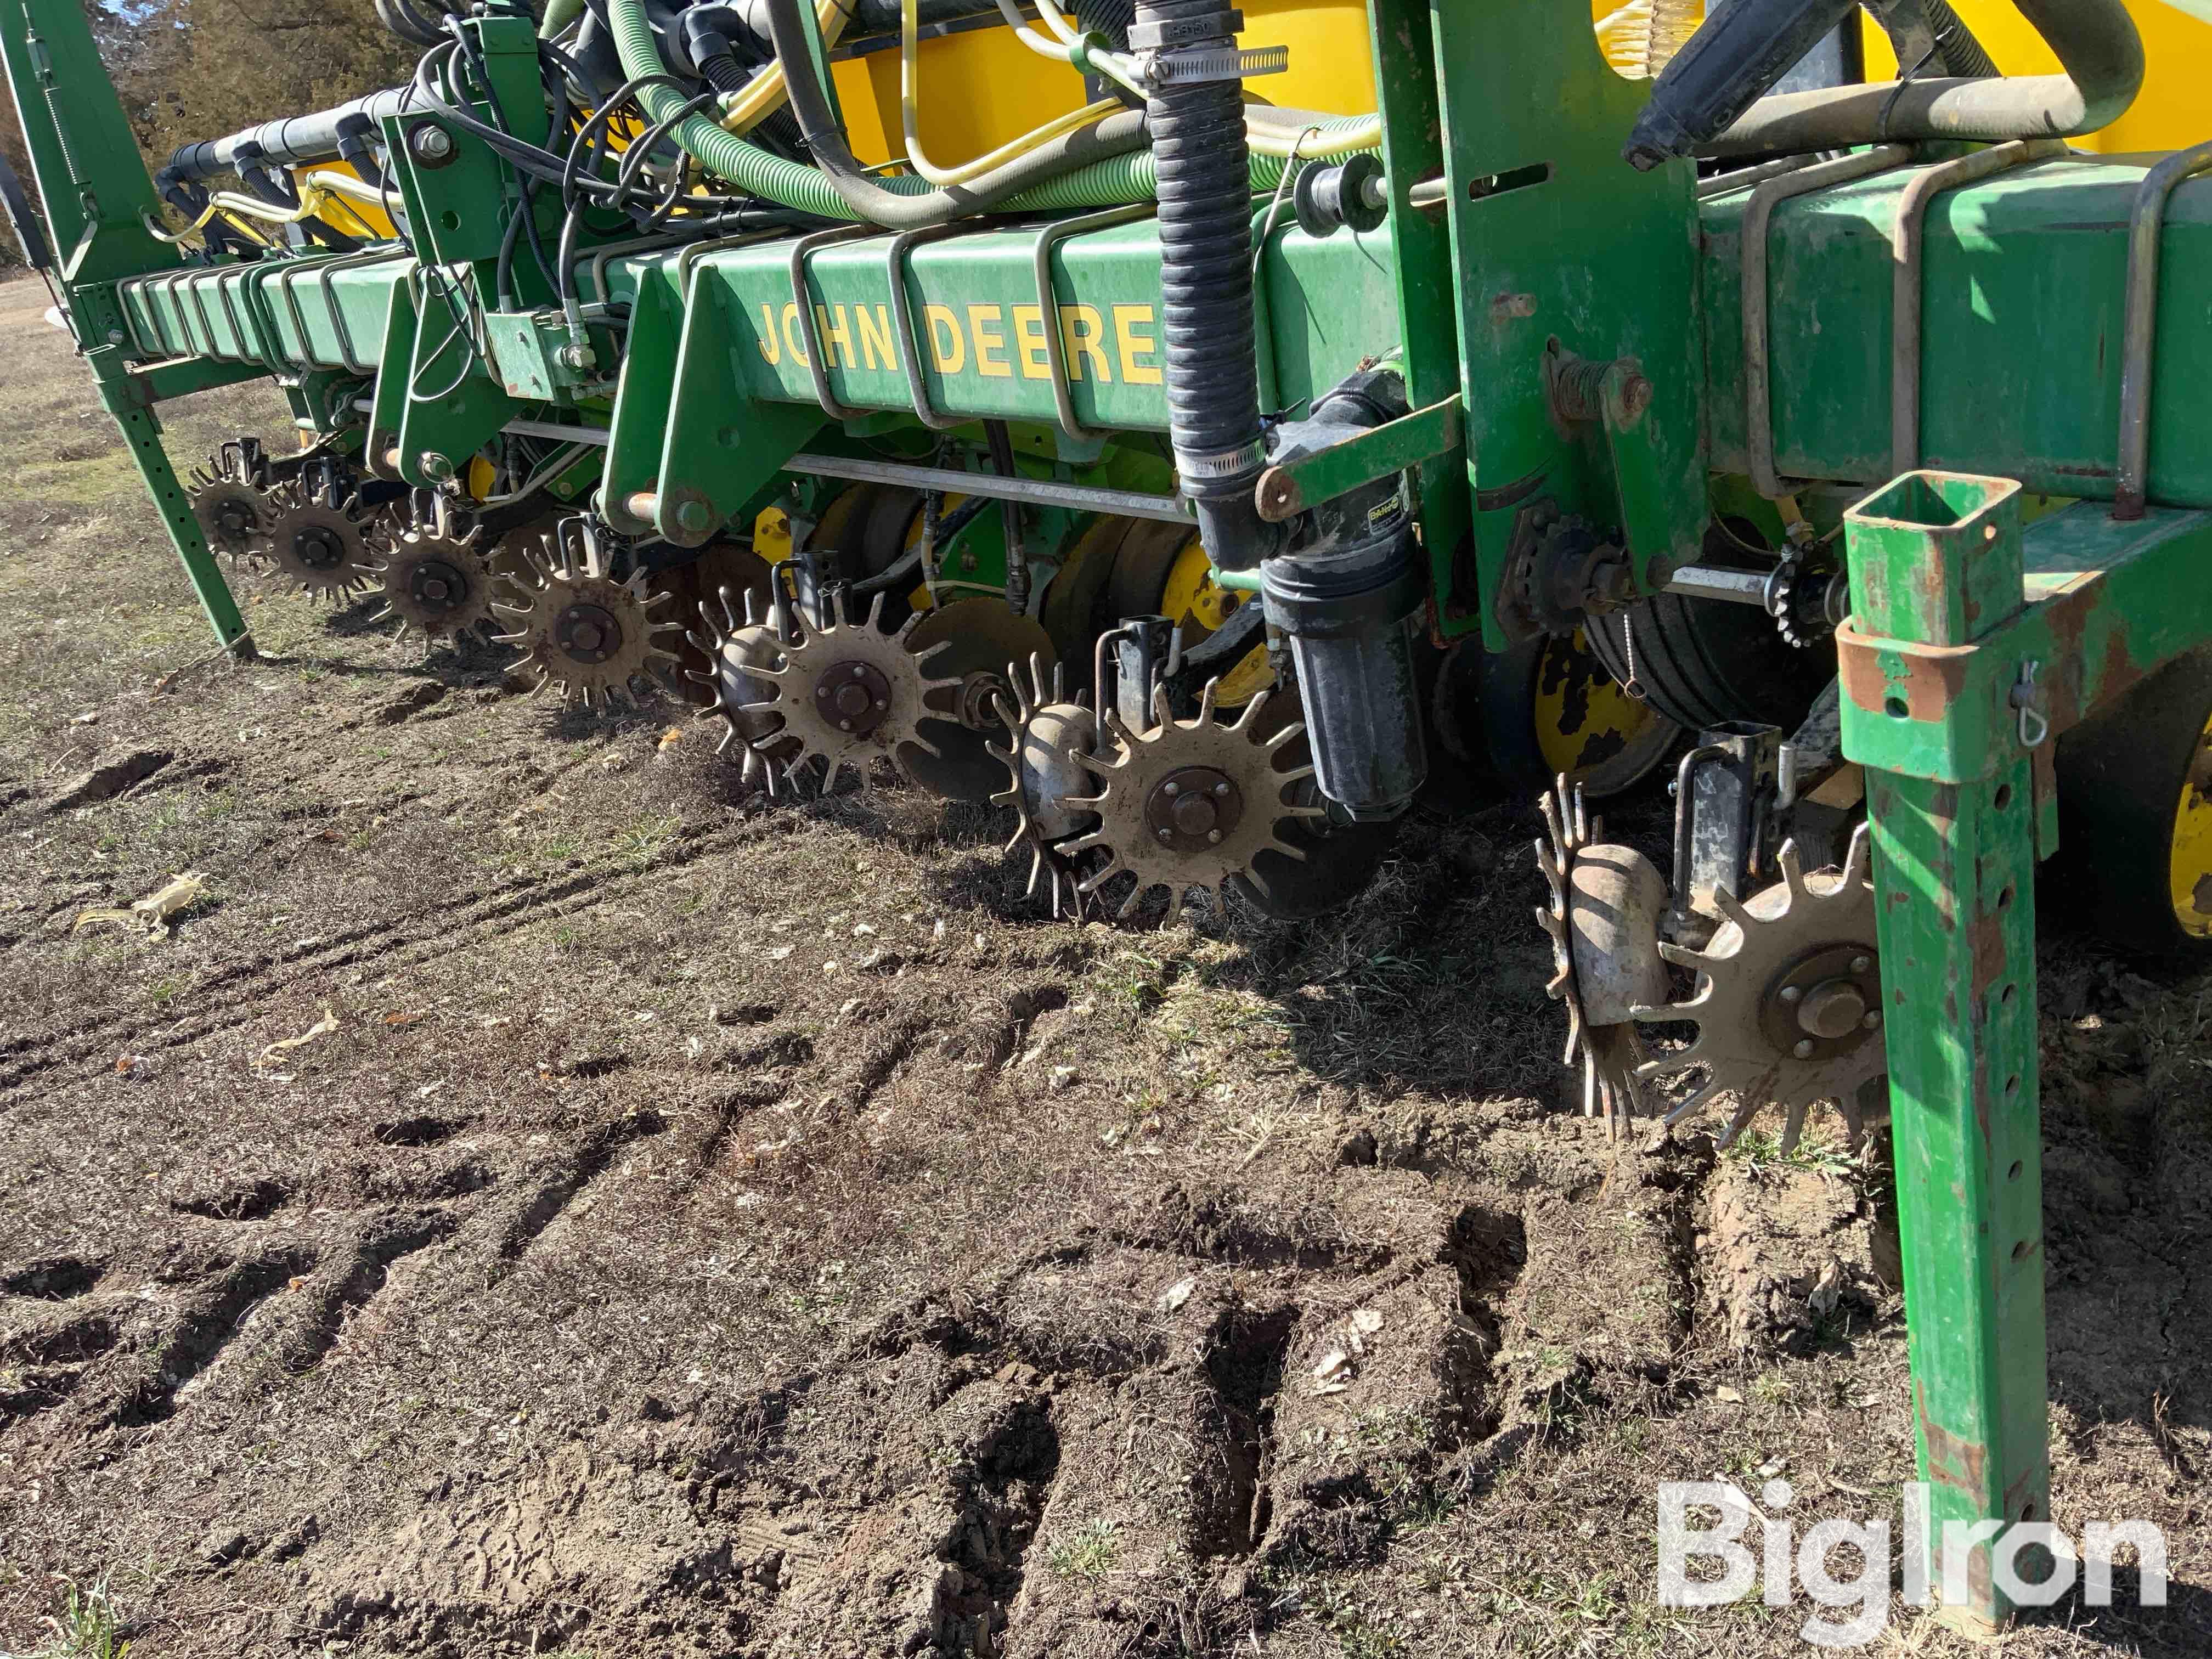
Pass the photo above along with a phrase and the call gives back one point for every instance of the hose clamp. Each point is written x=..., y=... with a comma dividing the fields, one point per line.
x=1148, y=33
x=1189, y=65
x=1232, y=463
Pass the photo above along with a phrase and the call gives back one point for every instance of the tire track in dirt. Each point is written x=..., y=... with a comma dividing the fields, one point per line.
x=529, y=1215
x=346, y=1285
x=248, y=983
x=211, y=1321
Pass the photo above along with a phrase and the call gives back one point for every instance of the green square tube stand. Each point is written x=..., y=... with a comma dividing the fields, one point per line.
x=1936, y=561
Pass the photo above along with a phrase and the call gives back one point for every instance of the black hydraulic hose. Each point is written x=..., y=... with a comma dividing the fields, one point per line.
x=1205, y=283
x=1113, y=134
x=355, y=149
x=2096, y=45
x=271, y=186
x=246, y=161
x=403, y=20
x=722, y=72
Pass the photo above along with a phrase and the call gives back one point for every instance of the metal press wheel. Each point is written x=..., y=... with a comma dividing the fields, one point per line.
x=2135, y=803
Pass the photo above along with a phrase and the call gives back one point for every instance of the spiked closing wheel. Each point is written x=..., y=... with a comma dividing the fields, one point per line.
x=987, y=640
x=583, y=631
x=232, y=513
x=434, y=576
x=1788, y=1002
x=848, y=693
x=316, y=538
x=230, y=499
x=741, y=652
x=1045, y=728
x=1150, y=827
x=1602, y=1043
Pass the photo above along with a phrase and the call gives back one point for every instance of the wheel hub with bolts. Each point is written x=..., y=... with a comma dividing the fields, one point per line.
x=315, y=537
x=437, y=586
x=317, y=549
x=1825, y=1003
x=855, y=696
x=234, y=516
x=1192, y=809
x=588, y=633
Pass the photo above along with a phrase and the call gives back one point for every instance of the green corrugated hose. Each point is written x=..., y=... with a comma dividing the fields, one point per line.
x=758, y=173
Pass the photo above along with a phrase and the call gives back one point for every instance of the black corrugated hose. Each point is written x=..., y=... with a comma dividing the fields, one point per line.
x=1212, y=372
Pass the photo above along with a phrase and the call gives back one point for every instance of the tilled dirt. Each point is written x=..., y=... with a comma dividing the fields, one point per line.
x=698, y=1224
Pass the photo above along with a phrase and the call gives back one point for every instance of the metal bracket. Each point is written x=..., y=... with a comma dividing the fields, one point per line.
x=1285, y=491
x=2103, y=604
x=816, y=370
x=909, y=341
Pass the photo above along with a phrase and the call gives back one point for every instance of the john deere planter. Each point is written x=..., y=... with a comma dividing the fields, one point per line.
x=1195, y=430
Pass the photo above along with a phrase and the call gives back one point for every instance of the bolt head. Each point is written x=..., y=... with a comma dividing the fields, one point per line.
x=1170, y=788
x=1213, y=836
x=1167, y=835
x=1860, y=964
x=1791, y=993
x=1221, y=788
x=844, y=726
x=1873, y=1021
x=1804, y=1048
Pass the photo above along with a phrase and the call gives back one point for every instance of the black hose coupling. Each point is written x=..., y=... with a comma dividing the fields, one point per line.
x=1734, y=58
x=355, y=133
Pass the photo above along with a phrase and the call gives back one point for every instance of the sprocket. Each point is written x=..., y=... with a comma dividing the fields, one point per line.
x=579, y=628
x=847, y=692
x=434, y=576
x=1788, y=1003
x=1188, y=803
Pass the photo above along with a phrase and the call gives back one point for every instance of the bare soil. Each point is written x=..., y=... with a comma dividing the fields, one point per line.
x=696, y=1225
